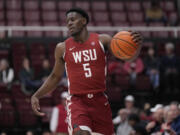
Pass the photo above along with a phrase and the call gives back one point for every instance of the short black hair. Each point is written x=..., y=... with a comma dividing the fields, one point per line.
x=80, y=11
x=134, y=117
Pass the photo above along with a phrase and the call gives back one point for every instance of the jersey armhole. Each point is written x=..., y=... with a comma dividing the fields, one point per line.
x=102, y=46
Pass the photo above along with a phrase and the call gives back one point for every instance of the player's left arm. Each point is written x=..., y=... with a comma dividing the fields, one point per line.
x=105, y=39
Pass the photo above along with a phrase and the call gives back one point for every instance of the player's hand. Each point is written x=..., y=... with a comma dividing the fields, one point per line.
x=35, y=106
x=137, y=37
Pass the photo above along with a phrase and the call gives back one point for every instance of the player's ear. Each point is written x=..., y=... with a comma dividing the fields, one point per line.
x=84, y=21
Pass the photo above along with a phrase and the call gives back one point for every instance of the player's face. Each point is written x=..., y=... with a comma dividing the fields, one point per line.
x=75, y=23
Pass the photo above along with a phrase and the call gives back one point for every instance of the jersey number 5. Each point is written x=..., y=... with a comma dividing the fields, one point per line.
x=87, y=70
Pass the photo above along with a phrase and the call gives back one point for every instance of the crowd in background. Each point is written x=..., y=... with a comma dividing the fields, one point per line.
x=165, y=68
x=158, y=120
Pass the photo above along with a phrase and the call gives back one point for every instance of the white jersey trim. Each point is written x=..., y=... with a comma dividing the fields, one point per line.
x=85, y=128
x=68, y=102
x=67, y=79
x=102, y=47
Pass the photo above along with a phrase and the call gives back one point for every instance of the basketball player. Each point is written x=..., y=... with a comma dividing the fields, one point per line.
x=83, y=56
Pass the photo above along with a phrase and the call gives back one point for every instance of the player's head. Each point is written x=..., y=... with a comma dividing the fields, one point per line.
x=77, y=19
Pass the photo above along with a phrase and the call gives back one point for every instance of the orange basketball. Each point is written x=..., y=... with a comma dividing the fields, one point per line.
x=122, y=45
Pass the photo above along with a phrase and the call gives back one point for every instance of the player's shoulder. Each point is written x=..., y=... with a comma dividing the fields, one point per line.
x=105, y=38
x=60, y=47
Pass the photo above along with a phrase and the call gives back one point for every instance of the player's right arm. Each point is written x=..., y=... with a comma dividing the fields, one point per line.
x=52, y=80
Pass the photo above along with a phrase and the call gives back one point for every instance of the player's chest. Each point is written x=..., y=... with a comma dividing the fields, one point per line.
x=78, y=56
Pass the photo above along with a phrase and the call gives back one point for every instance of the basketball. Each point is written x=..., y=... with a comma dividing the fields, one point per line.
x=122, y=45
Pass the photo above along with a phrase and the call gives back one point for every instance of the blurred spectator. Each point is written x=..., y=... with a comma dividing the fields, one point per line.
x=155, y=13
x=58, y=123
x=45, y=71
x=138, y=130
x=3, y=133
x=155, y=125
x=169, y=68
x=166, y=126
x=46, y=132
x=137, y=125
x=129, y=106
x=26, y=76
x=6, y=73
x=145, y=114
x=152, y=64
x=29, y=132
x=175, y=125
x=124, y=128
x=134, y=68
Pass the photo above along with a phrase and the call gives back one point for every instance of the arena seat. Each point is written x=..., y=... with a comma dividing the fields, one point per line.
x=156, y=24
x=143, y=83
x=27, y=118
x=146, y=4
x=122, y=81
x=2, y=23
x=99, y=6
x=13, y=4
x=161, y=34
x=51, y=23
x=177, y=49
x=133, y=6
x=46, y=102
x=49, y=5
x=116, y=6
x=37, y=48
x=1, y=5
x=32, y=15
x=53, y=33
x=106, y=23
x=83, y=4
x=101, y=16
x=114, y=94
x=34, y=33
x=172, y=17
x=121, y=24
x=62, y=16
x=3, y=89
x=31, y=5
x=18, y=53
x=1, y=15
x=14, y=15
x=33, y=23
x=48, y=112
x=7, y=116
x=64, y=5
x=135, y=17
x=16, y=23
x=4, y=54
x=49, y=16
x=146, y=34
x=119, y=16
x=138, y=24
x=169, y=6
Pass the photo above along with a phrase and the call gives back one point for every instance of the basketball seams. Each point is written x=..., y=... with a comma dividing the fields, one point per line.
x=121, y=48
x=113, y=49
x=126, y=42
x=128, y=47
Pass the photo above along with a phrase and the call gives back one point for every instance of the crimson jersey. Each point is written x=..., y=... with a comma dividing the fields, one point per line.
x=85, y=65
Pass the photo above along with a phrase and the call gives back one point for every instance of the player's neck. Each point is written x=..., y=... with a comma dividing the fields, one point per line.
x=82, y=37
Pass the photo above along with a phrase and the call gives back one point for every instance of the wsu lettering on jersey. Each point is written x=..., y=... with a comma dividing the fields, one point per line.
x=85, y=65
x=85, y=55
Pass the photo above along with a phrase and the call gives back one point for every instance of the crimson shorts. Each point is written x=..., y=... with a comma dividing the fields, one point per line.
x=90, y=112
